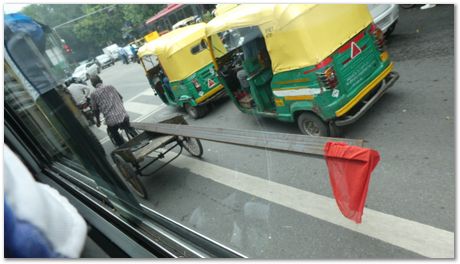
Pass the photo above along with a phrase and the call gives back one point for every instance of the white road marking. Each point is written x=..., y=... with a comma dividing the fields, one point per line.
x=139, y=108
x=146, y=92
x=420, y=238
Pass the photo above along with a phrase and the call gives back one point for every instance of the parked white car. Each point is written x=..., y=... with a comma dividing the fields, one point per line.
x=385, y=16
x=105, y=60
x=84, y=71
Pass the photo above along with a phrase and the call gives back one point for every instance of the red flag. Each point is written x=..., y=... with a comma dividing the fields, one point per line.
x=350, y=169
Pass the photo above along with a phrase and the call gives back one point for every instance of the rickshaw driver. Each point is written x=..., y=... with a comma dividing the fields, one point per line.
x=254, y=48
x=166, y=85
x=108, y=101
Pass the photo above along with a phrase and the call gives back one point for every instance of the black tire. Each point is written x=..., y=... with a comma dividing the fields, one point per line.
x=310, y=124
x=131, y=134
x=335, y=131
x=90, y=118
x=406, y=6
x=390, y=29
x=193, y=146
x=130, y=176
x=111, y=138
x=196, y=112
x=91, y=122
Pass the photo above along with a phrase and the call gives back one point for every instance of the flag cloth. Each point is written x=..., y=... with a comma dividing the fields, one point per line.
x=350, y=169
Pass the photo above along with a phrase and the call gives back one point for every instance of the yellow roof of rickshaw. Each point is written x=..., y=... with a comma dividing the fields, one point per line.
x=243, y=15
x=222, y=8
x=174, y=51
x=296, y=35
x=172, y=42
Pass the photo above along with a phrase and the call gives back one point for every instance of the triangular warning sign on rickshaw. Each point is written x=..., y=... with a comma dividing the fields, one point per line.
x=355, y=50
x=211, y=83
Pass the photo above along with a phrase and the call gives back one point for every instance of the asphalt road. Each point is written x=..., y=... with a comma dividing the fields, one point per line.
x=412, y=127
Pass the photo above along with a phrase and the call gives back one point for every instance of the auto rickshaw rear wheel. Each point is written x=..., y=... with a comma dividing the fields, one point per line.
x=196, y=111
x=310, y=124
x=130, y=176
x=334, y=130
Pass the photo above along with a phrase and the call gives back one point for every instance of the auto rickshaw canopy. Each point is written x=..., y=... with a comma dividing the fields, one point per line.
x=296, y=35
x=222, y=8
x=182, y=52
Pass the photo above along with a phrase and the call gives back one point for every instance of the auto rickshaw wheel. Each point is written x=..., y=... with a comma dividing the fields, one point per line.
x=130, y=176
x=334, y=130
x=196, y=111
x=312, y=125
x=193, y=146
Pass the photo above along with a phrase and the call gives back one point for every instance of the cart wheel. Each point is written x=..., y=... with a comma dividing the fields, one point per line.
x=312, y=125
x=130, y=176
x=196, y=111
x=127, y=135
x=111, y=138
x=193, y=146
x=131, y=133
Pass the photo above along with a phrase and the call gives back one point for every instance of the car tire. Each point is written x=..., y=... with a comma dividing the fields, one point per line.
x=406, y=6
x=311, y=125
x=390, y=29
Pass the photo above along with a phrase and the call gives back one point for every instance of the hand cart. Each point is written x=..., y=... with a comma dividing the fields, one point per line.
x=130, y=158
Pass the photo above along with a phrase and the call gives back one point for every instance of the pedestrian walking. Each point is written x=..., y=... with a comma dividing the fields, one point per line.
x=124, y=55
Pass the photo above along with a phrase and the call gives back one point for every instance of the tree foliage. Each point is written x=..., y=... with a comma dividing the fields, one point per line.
x=88, y=35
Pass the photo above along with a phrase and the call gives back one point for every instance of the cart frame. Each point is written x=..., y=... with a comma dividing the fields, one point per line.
x=130, y=157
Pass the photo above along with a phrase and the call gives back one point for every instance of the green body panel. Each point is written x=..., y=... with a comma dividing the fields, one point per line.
x=352, y=74
x=261, y=90
x=184, y=90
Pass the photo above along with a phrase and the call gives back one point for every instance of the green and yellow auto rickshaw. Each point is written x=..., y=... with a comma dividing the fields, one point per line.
x=180, y=69
x=322, y=66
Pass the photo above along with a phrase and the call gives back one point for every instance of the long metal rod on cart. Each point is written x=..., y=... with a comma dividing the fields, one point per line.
x=299, y=144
